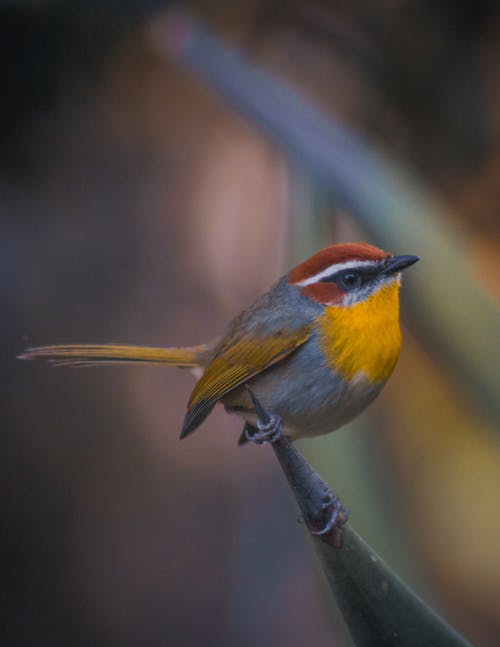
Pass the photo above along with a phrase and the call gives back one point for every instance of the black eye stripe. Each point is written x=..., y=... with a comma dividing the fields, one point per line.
x=366, y=273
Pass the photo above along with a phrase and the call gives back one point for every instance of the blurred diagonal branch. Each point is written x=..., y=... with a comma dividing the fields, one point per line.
x=446, y=302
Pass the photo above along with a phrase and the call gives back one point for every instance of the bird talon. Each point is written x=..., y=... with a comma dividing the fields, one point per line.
x=331, y=499
x=269, y=432
x=269, y=426
x=338, y=517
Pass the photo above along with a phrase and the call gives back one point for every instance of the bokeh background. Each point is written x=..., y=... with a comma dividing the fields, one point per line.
x=138, y=206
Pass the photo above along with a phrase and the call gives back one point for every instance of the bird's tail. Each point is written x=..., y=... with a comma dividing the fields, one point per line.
x=91, y=354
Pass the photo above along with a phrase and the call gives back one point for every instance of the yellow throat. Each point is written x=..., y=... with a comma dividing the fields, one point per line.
x=364, y=338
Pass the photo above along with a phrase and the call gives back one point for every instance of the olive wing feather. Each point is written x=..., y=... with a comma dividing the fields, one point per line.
x=236, y=362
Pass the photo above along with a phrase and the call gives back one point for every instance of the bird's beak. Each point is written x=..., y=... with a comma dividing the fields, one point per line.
x=398, y=263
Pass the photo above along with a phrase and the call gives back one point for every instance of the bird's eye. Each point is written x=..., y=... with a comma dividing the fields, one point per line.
x=350, y=280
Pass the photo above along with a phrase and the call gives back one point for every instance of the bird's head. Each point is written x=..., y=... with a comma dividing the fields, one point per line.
x=349, y=273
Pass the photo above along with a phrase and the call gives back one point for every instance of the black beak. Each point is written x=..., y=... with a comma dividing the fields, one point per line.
x=398, y=263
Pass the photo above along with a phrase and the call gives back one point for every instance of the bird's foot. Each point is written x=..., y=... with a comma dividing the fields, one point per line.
x=338, y=514
x=269, y=427
x=265, y=433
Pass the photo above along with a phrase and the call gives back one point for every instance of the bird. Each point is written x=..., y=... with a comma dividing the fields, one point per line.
x=315, y=350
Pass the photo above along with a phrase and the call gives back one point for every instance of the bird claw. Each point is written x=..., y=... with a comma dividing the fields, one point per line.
x=338, y=517
x=268, y=432
x=269, y=426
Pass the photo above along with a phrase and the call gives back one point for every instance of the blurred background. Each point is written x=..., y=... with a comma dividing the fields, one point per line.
x=139, y=205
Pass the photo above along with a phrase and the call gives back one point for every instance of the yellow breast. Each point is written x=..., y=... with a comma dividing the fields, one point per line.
x=365, y=337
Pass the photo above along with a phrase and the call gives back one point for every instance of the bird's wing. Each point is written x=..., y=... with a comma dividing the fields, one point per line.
x=235, y=363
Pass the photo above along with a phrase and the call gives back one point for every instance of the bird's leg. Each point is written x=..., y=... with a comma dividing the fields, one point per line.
x=321, y=509
x=269, y=426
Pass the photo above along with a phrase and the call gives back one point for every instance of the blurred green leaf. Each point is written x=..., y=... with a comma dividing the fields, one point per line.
x=378, y=607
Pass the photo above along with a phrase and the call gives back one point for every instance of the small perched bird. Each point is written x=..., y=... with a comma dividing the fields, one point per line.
x=314, y=350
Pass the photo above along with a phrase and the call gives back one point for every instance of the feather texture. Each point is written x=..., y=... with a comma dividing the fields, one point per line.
x=238, y=360
x=365, y=338
x=91, y=354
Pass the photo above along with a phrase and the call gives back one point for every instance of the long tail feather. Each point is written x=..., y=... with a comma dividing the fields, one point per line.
x=90, y=354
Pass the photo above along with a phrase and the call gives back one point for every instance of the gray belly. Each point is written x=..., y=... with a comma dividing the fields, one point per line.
x=305, y=393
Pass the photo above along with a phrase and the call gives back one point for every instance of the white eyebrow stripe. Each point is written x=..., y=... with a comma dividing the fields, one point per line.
x=336, y=267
